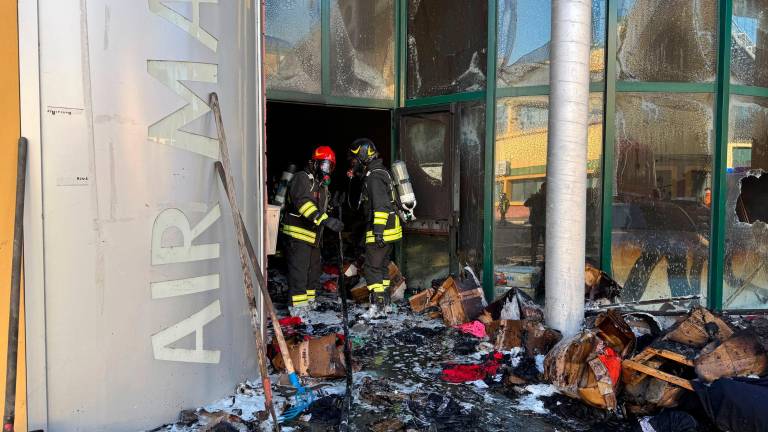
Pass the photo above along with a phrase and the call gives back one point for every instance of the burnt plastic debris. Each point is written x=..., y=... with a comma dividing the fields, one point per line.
x=736, y=404
x=224, y=427
x=527, y=370
x=418, y=335
x=441, y=413
x=668, y=421
x=327, y=410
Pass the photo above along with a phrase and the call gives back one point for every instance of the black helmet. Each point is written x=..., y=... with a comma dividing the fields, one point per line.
x=363, y=151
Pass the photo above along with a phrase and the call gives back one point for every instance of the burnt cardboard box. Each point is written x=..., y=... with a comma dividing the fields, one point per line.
x=321, y=357
x=532, y=335
x=422, y=300
x=701, y=327
x=461, y=302
x=740, y=355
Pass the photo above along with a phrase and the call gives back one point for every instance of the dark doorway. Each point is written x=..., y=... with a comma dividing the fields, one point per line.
x=294, y=130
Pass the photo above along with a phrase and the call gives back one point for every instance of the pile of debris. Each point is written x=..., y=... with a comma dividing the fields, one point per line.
x=693, y=366
x=624, y=364
x=452, y=362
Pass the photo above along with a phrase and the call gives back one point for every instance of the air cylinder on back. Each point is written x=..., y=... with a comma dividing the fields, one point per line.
x=404, y=188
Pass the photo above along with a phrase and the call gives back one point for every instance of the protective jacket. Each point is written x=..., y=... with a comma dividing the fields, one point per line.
x=306, y=205
x=379, y=204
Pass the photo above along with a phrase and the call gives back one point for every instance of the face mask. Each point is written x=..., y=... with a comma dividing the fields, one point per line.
x=324, y=170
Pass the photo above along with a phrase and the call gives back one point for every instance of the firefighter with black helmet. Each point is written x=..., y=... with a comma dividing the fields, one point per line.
x=383, y=226
x=302, y=228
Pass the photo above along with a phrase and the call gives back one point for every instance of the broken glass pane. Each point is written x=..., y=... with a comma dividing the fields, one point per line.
x=661, y=215
x=363, y=48
x=292, y=45
x=745, y=276
x=425, y=146
x=749, y=43
x=520, y=188
x=666, y=40
x=447, y=42
x=524, y=34
x=425, y=149
x=471, y=153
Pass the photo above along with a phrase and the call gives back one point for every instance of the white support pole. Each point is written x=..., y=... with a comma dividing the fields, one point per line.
x=567, y=164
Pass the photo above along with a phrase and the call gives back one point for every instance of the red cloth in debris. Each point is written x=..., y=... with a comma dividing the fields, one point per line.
x=290, y=321
x=460, y=373
x=331, y=286
x=612, y=362
x=475, y=328
x=331, y=270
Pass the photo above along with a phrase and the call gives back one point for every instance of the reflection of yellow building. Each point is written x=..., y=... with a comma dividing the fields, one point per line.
x=734, y=159
x=521, y=144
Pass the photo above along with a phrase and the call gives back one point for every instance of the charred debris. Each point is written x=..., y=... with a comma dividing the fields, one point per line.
x=446, y=360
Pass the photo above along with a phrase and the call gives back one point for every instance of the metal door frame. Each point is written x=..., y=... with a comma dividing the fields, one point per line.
x=452, y=160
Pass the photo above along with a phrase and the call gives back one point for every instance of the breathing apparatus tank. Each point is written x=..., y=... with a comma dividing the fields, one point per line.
x=407, y=199
x=282, y=186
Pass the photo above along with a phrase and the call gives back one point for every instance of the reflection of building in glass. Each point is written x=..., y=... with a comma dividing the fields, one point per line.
x=663, y=137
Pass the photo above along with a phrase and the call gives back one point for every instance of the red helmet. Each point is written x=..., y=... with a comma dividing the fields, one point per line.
x=324, y=162
x=324, y=153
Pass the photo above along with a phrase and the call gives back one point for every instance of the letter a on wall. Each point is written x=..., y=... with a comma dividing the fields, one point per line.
x=191, y=27
x=193, y=324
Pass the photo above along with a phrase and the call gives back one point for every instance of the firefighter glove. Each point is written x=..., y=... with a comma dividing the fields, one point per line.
x=334, y=224
x=379, y=240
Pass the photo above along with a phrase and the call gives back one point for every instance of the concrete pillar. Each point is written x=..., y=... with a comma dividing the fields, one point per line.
x=567, y=164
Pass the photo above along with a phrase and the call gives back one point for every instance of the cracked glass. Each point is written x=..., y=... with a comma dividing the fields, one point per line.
x=749, y=43
x=363, y=48
x=447, y=46
x=523, y=42
x=520, y=190
x=745, y=276
x=471, y=173
x=292, y=45
x=666, y=40
x=661, y=213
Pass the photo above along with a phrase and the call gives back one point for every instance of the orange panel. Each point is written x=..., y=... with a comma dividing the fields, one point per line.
x=10, y=128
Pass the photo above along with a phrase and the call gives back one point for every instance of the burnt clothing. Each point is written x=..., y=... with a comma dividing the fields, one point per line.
x=305, y=209
x=304, y=269
x=379, y=205
x=376, y=269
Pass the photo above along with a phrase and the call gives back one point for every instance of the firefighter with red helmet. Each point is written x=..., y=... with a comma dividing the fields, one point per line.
x=302, y=227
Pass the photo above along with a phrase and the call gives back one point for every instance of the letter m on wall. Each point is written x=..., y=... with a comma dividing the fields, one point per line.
x=169, y=129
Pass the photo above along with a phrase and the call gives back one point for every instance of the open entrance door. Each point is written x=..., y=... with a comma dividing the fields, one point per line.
x=428, y=147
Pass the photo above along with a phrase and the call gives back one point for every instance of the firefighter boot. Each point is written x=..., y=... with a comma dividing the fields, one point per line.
x=379, y=305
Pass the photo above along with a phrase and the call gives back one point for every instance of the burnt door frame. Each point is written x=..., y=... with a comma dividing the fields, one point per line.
x=453, y=169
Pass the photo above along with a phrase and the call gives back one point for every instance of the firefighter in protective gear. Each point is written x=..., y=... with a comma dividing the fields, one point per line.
x=303, y=224
x=383, y=226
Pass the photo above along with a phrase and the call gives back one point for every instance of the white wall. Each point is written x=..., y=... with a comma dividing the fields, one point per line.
x=121, y=153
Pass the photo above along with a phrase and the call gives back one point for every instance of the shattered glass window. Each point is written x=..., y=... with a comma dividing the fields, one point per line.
x=749, y=43
x=520, y=188
x=471, y=173
x=667, y=40
x=447, y=42
x=292, y=45
x=745, y=276
x=363, y=48
x=661, y=216
x=523, y=42
x=425, y=146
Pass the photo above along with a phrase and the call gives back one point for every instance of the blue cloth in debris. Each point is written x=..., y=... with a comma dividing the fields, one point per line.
x=736, y=404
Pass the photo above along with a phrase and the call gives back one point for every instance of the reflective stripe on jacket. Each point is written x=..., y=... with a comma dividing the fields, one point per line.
x=306, y=203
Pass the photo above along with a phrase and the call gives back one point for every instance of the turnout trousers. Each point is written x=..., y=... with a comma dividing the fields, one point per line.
x=376, y=270
x=304, y=270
